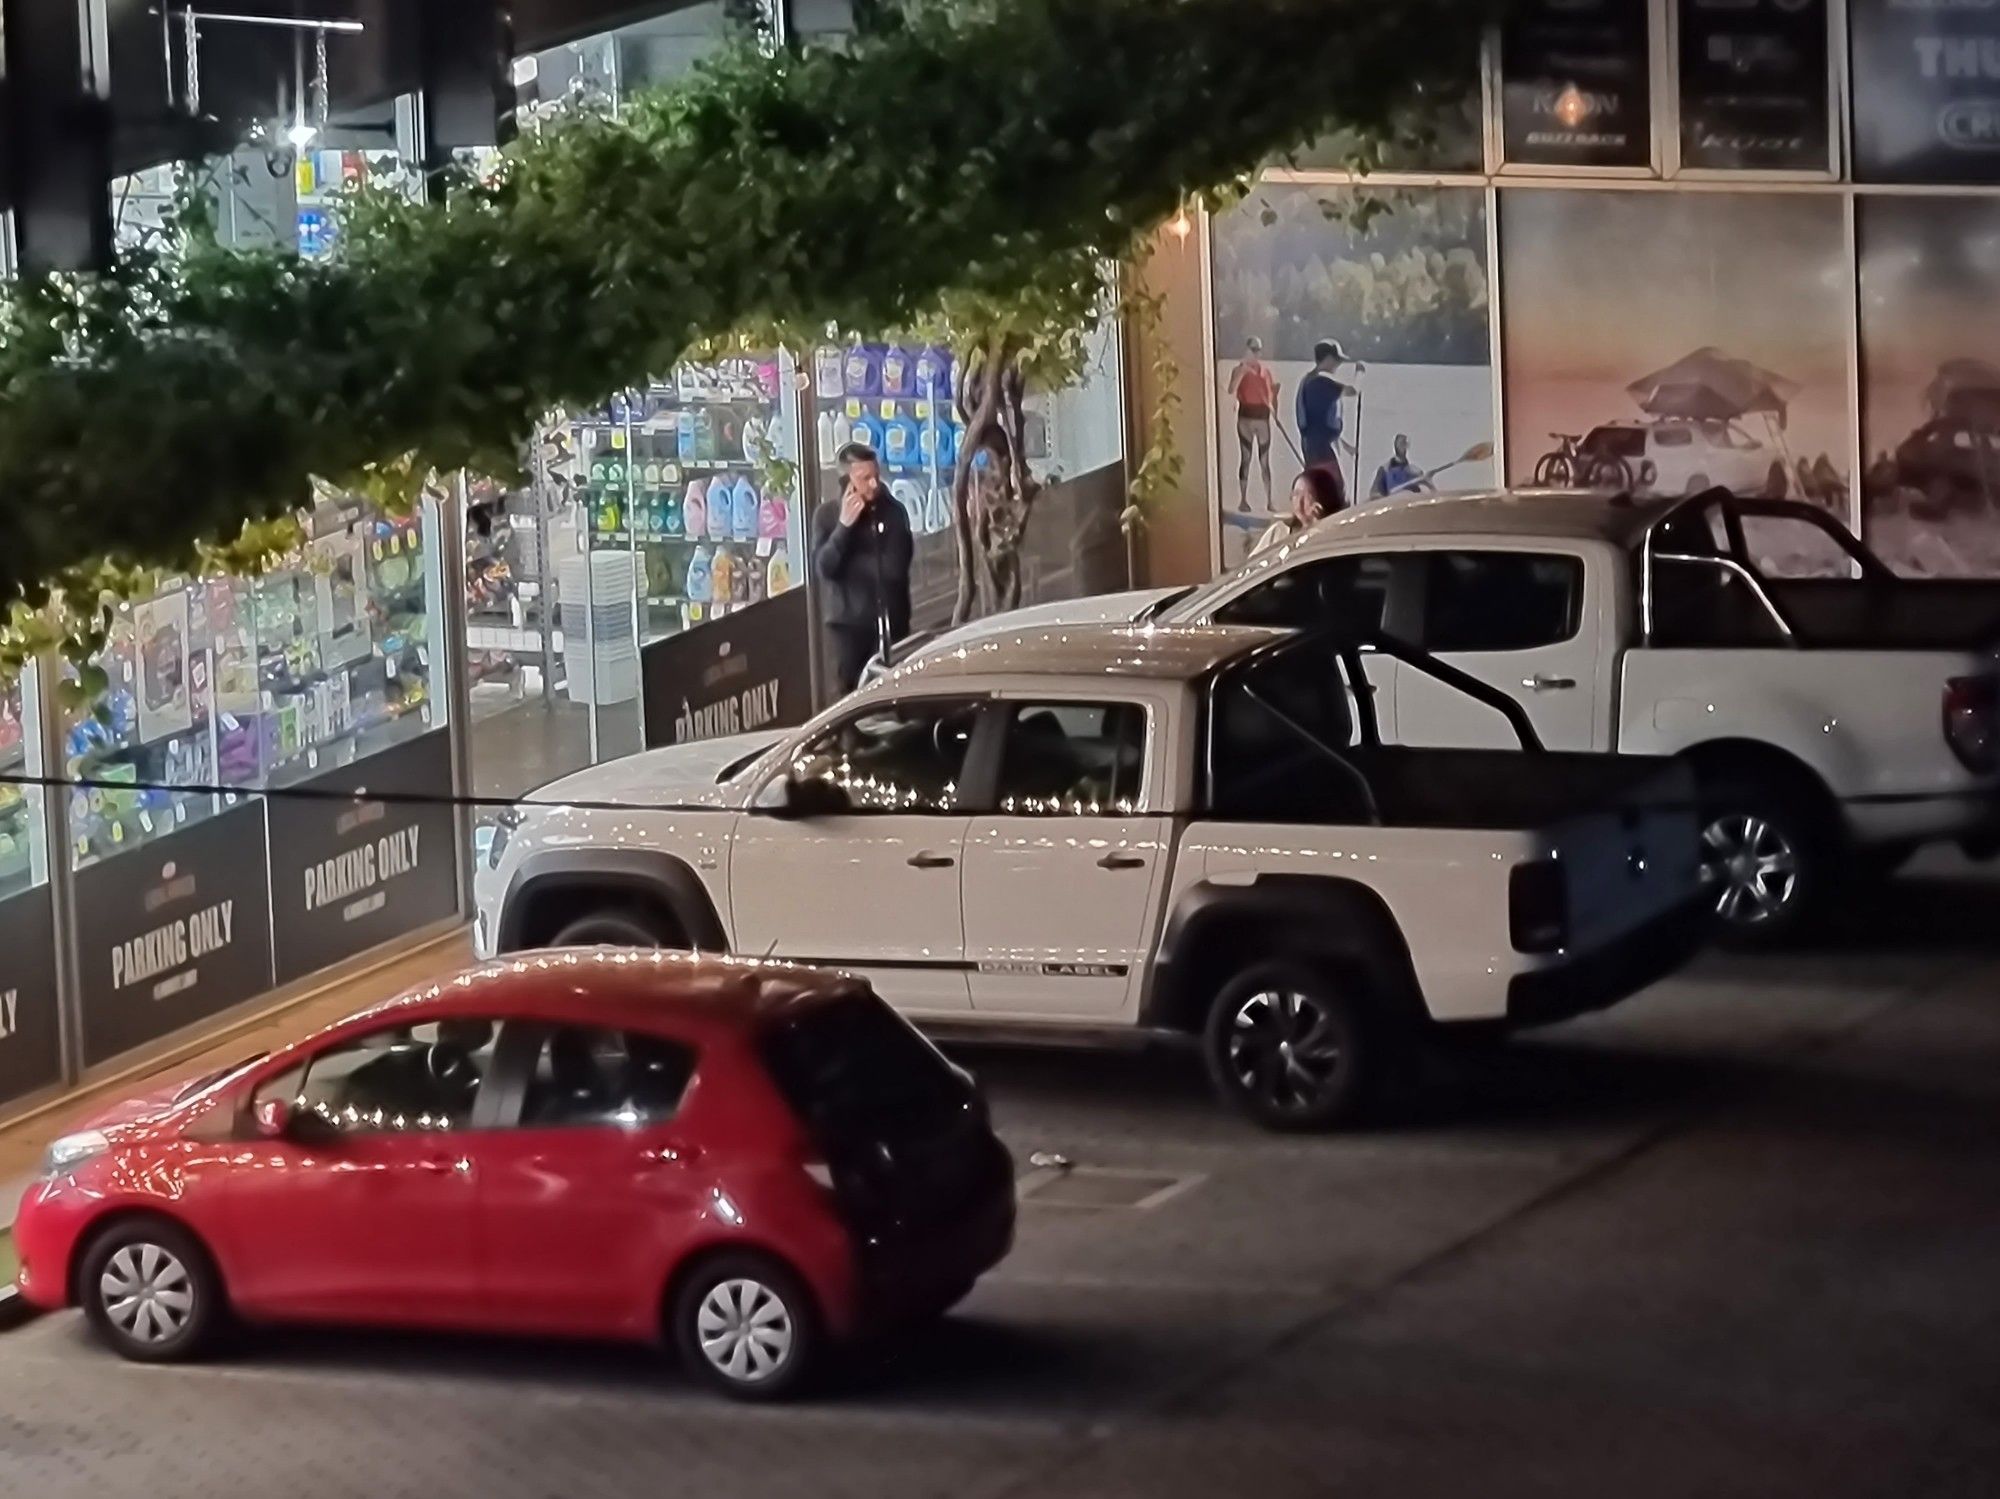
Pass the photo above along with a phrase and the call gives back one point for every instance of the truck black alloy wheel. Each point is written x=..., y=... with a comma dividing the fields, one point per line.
x=1286, y=1047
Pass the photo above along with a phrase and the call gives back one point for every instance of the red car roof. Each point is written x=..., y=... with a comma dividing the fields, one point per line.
x=690, y=993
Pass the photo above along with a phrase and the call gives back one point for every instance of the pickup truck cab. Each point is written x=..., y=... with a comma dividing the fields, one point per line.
x=1096, y=831
x=1834, y=722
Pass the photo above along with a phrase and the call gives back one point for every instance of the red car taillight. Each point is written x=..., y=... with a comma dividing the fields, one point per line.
x=1972, y=722
x=1538, y=907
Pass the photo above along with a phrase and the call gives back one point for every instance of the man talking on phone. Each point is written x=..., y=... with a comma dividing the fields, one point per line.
x=862, y=546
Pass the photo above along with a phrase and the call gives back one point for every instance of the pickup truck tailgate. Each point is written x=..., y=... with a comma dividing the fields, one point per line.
x=1629, y=860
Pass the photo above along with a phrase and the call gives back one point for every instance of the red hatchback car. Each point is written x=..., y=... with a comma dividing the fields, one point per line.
x=747, y=1160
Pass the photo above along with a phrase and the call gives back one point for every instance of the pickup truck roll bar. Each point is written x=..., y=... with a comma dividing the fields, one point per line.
x=1732, y=509
x=1350, y=649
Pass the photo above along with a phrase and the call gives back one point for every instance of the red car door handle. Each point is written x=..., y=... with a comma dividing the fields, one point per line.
x=460, y=1165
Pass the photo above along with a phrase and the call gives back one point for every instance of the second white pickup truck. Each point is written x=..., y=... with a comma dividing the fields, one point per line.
x=1835, y=723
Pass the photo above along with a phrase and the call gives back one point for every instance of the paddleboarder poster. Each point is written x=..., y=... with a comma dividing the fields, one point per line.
x=1351, y=335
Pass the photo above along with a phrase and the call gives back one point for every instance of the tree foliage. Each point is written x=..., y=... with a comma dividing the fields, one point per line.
x=173, y=412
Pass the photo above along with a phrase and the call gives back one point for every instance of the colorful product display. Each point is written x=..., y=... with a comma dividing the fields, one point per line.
x=676, y=474
x=896, y=399
x=257, y=682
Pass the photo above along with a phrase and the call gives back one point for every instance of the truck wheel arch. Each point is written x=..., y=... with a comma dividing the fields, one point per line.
x=1214, y=930
x=1763, y=761
x=558, y=883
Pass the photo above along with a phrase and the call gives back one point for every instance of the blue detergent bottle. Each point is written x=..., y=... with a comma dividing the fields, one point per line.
x=743, y=509
x=700, y=577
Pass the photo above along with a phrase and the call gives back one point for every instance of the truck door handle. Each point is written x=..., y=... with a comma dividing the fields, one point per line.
x=1540, y=683
x=931, y=861
x=1121, y=861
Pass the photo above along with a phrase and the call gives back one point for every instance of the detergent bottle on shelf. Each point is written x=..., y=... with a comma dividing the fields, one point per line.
x=722, y=575
x=773, y=518
x=670, y=513
x=720, y=505
x=829, y=442
x=778, y=575
x=694, y=510
x=743, y=510
x=700, y=577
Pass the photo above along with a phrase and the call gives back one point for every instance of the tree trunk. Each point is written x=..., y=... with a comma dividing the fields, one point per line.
x=978, y=401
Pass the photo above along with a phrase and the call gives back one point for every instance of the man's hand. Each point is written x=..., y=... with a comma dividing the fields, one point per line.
x=851, y=507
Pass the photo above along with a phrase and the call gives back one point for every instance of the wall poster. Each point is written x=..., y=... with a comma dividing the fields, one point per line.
x=1666, y=342
x=1926, y=90
x=1576, y=84
x=1395, y=280
x=1754, y=85
x=1930, y=383
x=160, y=634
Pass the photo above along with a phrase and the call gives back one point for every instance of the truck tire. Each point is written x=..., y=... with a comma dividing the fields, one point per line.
x=1293, y=1045
x=1768, y=857
x=619, y=924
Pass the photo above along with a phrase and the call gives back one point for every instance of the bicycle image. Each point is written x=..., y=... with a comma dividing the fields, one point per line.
x=1572, y=465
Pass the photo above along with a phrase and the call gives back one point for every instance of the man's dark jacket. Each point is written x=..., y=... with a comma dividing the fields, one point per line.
x=864, y=569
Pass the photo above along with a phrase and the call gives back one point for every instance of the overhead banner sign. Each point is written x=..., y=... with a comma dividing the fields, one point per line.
x=746, y=671
x=30, y=1040
x=174, y=932
x=350, y=875
x=1926, y=90
x=1754, y=85
x=1576, y=84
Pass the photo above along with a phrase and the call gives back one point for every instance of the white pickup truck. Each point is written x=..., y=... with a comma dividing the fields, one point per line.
x=1835, y=723
x=1135, y=830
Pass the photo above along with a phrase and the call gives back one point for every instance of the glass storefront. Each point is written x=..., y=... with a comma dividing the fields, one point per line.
x=648, y=582
x=30, y=1041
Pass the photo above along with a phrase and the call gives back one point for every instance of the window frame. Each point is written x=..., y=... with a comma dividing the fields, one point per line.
x=520, y=1046
x=1001, y=711
x=1395, y=612
x=485, y=1104
x=975, y=781
x=1434, y=556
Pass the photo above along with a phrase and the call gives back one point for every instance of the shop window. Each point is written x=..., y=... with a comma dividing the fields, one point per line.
x=30, y=1045
x=1755, y=85
x=1379, y=301
x=1576, y=85
x=1923, y=92
x=153, y=729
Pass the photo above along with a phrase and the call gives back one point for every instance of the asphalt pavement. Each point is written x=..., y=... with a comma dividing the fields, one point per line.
x=1735, y=1237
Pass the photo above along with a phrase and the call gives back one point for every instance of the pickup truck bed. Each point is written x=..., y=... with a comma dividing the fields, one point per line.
x=1473, y=788
x=1903, y=614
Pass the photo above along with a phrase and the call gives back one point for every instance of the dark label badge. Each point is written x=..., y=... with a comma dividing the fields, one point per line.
x=174, y=932
x=30, y=1041
x=1754, y=85
x=348, y=875
x=1926, y=90
x=1576, y=84
x=744, y=672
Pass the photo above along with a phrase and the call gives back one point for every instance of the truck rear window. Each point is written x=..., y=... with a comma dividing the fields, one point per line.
x=857, y=1074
